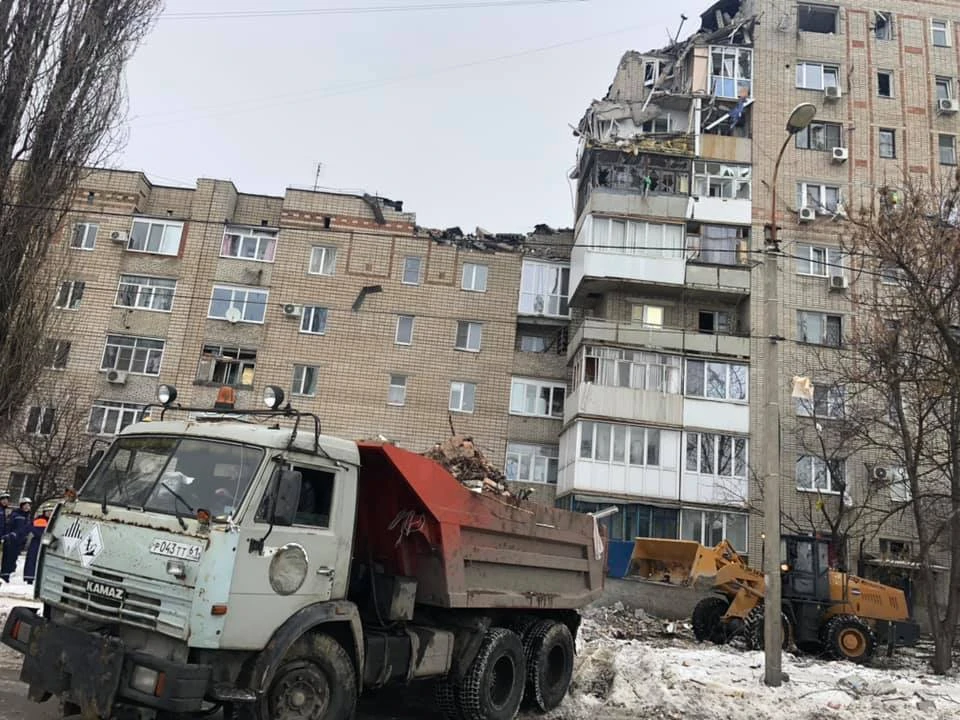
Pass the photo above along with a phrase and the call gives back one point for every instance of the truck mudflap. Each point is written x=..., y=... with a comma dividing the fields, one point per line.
x=95, y=672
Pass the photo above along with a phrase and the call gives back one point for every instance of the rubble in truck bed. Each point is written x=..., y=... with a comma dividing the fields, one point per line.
x=462, y=458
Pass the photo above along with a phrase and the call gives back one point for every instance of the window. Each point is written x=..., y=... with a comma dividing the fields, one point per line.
x=544, y=288
x=813, y=474
x=316, y=497
x=711, y=528
x=40, y=420
x=137, y=355
x=819, y=329
x=722, y=455
x=84, y=236
x=651, y=71
x=717, y=322
x=305, y=380
x=636, y=238
x=323, y=260
x=469, y=335
x=462, y=396
x=70, y=294
x=827, y=402
x=397, y=390
x=411, y=269
x=635, y=369
x=650, y=316
x=720, y=244
x=948, y=149
x=250, y=305
x=541, y=340
x=313, y=320
x=731, y=71
x=155, y=236
x=885, y=83
x=474, y=277
x=940, y=33
x=717, y=380
x=249, y=244
x=888, y=143
x=404, y=333
x=817, y=76
x=882, y=25
x=892, y=274
x=722, y=180
x=820, y=136
x=22, y=485
x=221, y=365
x=620, y=444
x=56, y=353
x=532, y=463
x=822, y=198
x=108, y=417
x=895, y=549
x=817, y=260
x=944, y=88
x=817, y=18
x=643, y=174
x=660, y=124
x=146, y=293
x=537, y=398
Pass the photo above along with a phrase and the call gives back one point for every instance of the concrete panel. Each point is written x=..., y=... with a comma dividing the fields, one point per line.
x=722, y=210
x=713, y=490
x=586, y=264
x=624, y=480
x=624, y=404
x=716, y=415
x=603, y=201
x=725, y=148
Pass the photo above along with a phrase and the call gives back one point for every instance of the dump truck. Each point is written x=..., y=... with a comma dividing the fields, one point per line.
x=242, y=559
x=823, y=610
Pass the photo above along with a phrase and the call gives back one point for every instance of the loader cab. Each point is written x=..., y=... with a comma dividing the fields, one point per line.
x=805, y=567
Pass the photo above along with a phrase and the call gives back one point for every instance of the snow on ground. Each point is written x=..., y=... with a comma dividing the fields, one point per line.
x=657, y=670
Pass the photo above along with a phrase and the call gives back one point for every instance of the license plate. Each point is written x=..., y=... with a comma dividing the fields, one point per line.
x=102, y=590
x=181, y=551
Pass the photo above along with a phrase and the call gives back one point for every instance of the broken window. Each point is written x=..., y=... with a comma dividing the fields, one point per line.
x=647, y=173
x=882, y=25
x=819, y=136
x=652, y=70
x=723, y=180
x=885, y=83
x=731, y=71
x=657, y=125
x=226, y=366
x=818, y=18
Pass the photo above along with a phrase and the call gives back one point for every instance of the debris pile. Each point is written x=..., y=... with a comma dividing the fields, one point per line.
x=617, y=622
x=462, y=458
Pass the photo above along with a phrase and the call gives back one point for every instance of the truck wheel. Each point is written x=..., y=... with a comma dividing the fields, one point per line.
x=493, y=685
x=850, y=638
x=548, y=649
x=315, y=681
x=706, y=620
x=445, y=693
x=753, y=629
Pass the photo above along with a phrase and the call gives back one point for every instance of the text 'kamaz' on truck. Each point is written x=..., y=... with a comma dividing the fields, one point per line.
x=278, y=573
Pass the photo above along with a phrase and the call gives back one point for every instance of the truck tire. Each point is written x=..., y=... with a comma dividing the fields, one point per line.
x=493, y=685
x=753, y=629
x=315, y=681
x=447, y=697
x=850, y=638
x=706, y=619
x=548, y=649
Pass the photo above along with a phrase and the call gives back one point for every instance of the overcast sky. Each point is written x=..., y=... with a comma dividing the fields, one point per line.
x=462, y=113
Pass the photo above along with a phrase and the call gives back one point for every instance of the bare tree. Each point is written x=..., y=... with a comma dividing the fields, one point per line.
x=61, y=101
x=50, y=441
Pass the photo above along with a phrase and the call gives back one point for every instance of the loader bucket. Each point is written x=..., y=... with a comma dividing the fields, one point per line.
x=677, y=562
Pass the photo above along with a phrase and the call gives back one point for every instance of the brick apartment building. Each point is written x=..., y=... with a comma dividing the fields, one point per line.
x=377, y=326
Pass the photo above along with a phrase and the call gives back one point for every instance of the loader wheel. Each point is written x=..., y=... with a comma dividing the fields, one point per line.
x=850, y=638
x=706, y=620
x=493, y=685
x=548, y=649
x=753, y=629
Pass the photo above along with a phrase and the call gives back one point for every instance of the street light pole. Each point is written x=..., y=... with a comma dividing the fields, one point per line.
x=772, y=627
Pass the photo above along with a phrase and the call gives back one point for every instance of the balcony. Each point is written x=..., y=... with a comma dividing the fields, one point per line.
x=607, y=332
x=732, y=279
x=726, y=148
x=595, y=271
x=623, y=403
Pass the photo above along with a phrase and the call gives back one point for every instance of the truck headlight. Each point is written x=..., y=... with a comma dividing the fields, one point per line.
x=147, y=680
x=177, y=569
x=288, y=569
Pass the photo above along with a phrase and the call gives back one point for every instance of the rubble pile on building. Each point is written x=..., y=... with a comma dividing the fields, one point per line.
x=463, y=459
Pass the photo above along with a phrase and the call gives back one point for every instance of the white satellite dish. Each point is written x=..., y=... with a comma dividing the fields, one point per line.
x=233, y=315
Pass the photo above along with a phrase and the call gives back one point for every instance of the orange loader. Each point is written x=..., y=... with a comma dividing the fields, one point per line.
x=823, y=610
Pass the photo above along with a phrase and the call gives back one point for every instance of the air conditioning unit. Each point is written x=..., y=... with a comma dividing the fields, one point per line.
x=292, y=311
x=807, y=214
x=838, y=281
x=881, y=473
x=119, y=236
x=948, y=105
x=832, y=92
x=117, y=377
x=841, y=154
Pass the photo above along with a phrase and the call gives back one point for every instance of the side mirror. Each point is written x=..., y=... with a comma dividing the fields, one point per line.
x=287, y=498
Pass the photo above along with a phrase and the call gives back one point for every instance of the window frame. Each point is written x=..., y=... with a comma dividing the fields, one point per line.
x=392, y=386
x=619, y=437
x=891, y=146
x=832, y=260
x=299, y=386
x=41, y=421
x=246, y=291
x=408, y=260
x=534, y=281
x=145, y=346
x=829, y=468
x=327, y=267
x=821, y=8
x=824, y=67
x=71, y=299
x=552, y=387
x=825, y=319
x=59, y=350
x=638, y=237
x=461, y=386
x=243, y=233
x=547, y=457
x=735, y=442
x=135, y=281
x=718, y=82
x=804, y=138
x=478, y=274
x=822, y=206
x=953, y=148
x=86, y=236
x=945, y=82
x=728, y=384
x=609, y=367
x=934, y=22
x=396, y=332
x=468, y=331
x=150, y=223
x=122, y=409
x=308, y=314
x=227, y=357
x=648, y=315
x=726, y=516
x=22, y=484
x=704, y=180
x=832, y=400
x=890, y=84
x=887, y=25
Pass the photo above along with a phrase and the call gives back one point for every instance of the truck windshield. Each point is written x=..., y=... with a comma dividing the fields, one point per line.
x=174, y=475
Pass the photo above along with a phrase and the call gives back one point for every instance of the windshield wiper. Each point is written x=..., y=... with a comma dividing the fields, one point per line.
x=176, y=511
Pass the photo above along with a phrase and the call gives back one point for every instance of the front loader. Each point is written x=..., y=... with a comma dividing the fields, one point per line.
x=838, y=614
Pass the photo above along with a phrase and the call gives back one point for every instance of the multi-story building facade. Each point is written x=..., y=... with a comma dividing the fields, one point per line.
x=379, y=327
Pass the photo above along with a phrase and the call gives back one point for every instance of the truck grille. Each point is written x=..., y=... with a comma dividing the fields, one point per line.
x=148, y=604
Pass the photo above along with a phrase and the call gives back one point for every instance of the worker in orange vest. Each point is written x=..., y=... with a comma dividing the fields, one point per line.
x=33, y=551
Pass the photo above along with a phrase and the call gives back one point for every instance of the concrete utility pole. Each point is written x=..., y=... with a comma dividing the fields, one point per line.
x=772, y=629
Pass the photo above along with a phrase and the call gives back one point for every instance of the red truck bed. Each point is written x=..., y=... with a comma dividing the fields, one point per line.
x=467, y=549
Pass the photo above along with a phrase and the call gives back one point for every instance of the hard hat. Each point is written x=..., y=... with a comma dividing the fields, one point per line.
x=25, y=500
x=4, y=496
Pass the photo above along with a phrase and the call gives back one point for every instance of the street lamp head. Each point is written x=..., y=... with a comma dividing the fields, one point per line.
x=800, y=117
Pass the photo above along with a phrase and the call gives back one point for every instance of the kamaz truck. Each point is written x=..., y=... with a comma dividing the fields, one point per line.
x=240, y=559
